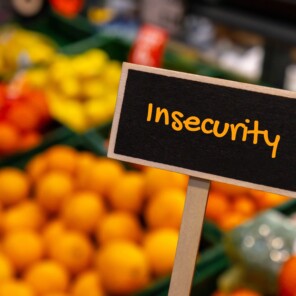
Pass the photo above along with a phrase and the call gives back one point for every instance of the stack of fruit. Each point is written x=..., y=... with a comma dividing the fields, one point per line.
x=23, y=115
x=239, y=292
x=75, y=224
x=229, y=206
x=20, y=48
x=82, y=89
x=287, y=278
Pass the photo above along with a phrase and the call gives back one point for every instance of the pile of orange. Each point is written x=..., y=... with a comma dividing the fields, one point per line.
x=73, y=224
x=23, y=115
x=239, y=292
x=287, y=278
x=229, y=205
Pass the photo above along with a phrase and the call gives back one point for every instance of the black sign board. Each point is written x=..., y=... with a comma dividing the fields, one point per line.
x=208, y=128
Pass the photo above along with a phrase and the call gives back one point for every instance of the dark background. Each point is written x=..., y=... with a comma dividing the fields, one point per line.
x=196, y=151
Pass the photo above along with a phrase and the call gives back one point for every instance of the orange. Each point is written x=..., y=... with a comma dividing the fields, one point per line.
x=52, y=232
x=38, y=103
x=231, y=220
x=88, y=284
x=57, y=294
x=84, y=164
x=245, y=292
x=156, y=180
x=53, y=189
x=165, y=209
x=83, y=211
x=217, y=206
x=14, y=186
x=268, y=200
x=26, y=215
x=22, y=248
x=30, y=140
x=227, y=188
x=23, y=117
x=47, y=277
x=73, y=250
x=119, y=226
x=127, y=193
x=244, y=204
x=15, y=288
x=103, y=175
x=287, y=273
x=36, y=167
x=123, y=267
x=62, y=158
x=9, y=138
x=160, y=247
x=6, y=269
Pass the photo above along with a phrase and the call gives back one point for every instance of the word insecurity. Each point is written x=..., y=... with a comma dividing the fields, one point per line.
x=178, y=122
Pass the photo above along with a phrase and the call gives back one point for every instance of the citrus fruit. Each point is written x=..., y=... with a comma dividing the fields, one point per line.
x=52, y=232
x=61, y=158
x=30, y=140
x=15, y=288
x=9, y=138
x=6, y=269
x=103, y=175
x=22, y=248
x=228, y=189
x=25, y=215
x=123, y=267
x=160, y=247
x=165, y=209
x=244, y=204
x=119, y=226
x=53, y=189
x=84, y=164
x=73, y=250
x=23, y=117
x=217, y=206
x=14, y=186
x=231, y=220
x=156, y=180
x=268, y=200
x=245, y=292
x=287, y=285
x=88, y=284
x=83, y=211
x=47, y=277
x=127, y=193
x=36, y=167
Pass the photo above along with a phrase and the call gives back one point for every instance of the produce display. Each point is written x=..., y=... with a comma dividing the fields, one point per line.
x=229, y=205
x=287, y=285
x=85, y=85
x=20, y=48
x=24, y=114
x=85, y=223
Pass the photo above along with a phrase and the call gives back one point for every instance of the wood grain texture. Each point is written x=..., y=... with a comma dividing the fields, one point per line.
x=189, y=237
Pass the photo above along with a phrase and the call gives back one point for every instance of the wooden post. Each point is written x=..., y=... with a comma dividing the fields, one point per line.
x=189, y=237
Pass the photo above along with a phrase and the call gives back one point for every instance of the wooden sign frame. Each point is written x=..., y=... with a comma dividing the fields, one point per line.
x=197, y=78
x=198, y=187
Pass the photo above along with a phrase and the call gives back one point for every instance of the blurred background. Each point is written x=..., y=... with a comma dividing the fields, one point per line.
x=75, y=223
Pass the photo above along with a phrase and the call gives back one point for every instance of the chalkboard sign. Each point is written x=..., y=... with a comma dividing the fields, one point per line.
x=208, y=128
